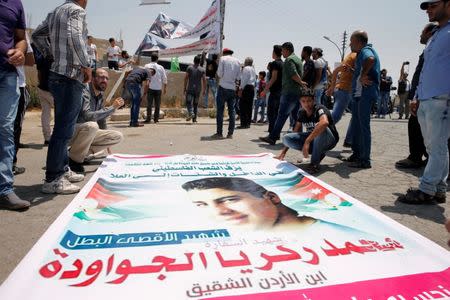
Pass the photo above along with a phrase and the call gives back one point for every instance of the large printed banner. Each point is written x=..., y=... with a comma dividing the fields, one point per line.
x=224, y=227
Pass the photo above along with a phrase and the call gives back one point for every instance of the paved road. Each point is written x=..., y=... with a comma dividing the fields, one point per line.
x=377, y=187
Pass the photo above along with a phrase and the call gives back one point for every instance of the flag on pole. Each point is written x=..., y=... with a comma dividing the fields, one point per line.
x=150, y=43
x=169, y=28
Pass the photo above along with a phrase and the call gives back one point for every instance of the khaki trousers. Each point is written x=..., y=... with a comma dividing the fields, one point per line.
x=89, y=139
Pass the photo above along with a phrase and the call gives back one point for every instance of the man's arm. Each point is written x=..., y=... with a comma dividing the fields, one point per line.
x=203, y=92
x=334, y=79
x=41, y=39
x=16, y=56
x=318, y=130
x=75, y=36
x=273, y=79
x=367, y=66
x=186, y=80
x=89, y=115
x=164, y=80
x=318, y=76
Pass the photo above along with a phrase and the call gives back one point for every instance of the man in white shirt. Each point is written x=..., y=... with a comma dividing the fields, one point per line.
x=247, y=93
x=229, y=71
x=113, y=55
x=92, y=51
x=321, y=67
x=157, y=86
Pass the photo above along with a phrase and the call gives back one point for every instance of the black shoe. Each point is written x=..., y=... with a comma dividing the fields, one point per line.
x=76, y=167
x=18, y=170
x=440, y=197
x=137, y=125
x=408, y=164
x=229, y=136
x=267, y=140
x=217, y=136
x=13, y=202
x=351, y=158
x=360, y=165
x=46, y=143
x=312, y=169
x=147, y=121
x=416, y=196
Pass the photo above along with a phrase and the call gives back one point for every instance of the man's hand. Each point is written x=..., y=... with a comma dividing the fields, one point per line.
x=15, y=57
x=87, y=74
x=330, y=91
x=118, y=103
x=164, y=90
x=305, y=149
x=414, y=106
x=365, y=81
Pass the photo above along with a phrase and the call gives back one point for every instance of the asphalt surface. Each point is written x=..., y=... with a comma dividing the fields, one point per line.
x=378, y=187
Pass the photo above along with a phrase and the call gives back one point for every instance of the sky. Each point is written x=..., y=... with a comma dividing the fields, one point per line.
x=252, y=27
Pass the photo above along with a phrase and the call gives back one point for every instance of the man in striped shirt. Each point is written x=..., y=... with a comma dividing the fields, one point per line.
x=62, y=37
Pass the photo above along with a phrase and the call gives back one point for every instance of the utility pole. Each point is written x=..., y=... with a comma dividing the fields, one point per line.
x=344, y=45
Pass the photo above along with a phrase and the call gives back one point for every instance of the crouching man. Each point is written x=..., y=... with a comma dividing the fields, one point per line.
x=320, y=134
x=90, y=135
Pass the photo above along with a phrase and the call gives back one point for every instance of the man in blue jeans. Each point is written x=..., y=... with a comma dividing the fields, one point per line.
x=365, y=87
x=70, y=70
x=292, y=85
x=13, y=47
x=229, y=71
x=433, y=93
x=319, y=134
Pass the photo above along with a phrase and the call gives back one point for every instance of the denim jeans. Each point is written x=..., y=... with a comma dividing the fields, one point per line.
x=288, y=103
x=318, y=96
x=192, y=104
x=9, y=97
x=433, y=115
x=341, y=100
x=134, y=96
x=382, y=103
x=293, y=116
x=211, y=84
x=319, y=146
x=67, y=95
x=259, y=103
x=228, y=97
x=361, y=134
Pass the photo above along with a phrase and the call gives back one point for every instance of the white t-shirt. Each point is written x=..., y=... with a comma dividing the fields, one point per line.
x=320, y=63
x=92, y=50
x=113, y=53
x=159, y=78
x=229, y=71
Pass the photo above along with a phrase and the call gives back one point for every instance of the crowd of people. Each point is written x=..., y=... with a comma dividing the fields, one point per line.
x=294, y=89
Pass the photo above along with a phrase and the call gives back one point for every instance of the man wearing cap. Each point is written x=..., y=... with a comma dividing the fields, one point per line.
x=228, y=71
x=433, y=94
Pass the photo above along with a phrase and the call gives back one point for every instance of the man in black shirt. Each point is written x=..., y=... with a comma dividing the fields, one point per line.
x=309, y=72
x=319, y=134
x=211, y=82
x=274, y=86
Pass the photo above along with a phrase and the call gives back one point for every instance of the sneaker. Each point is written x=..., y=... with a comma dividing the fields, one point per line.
x=312, y=169
x=12, y=202
x=267, y=140
x=416, y=196
x=71, y=176
x=408, y=164
x=137, y=125
x=189, y=118
x=76, y=166
x=229, y=136
x=147, y=121
x=59, y=186
x=18, y=170
x=217, y=136
x=194, y=120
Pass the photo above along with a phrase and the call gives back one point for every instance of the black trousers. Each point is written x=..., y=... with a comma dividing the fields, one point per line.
x=24, y=96
x=153, y=96
x=273, y=104
x=246, y=105
x=416, y=146
x=113, y=65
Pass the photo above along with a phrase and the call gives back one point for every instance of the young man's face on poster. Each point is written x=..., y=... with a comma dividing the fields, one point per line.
x=237, y=208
